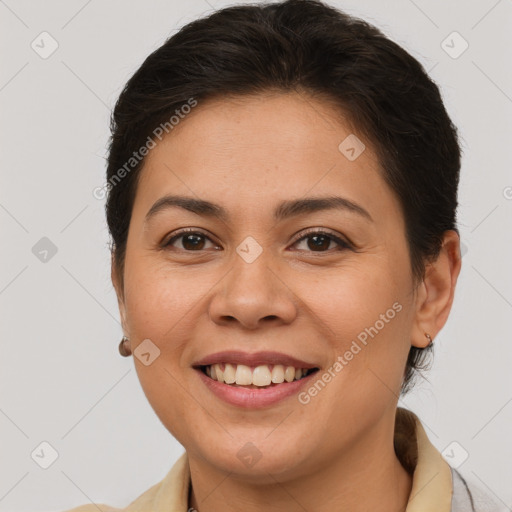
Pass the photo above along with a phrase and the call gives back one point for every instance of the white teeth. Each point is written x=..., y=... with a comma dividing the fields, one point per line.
x=219, y=373
x=243, y=375
x=261, y=376
x=229, y=374
x=278, y=374
x=289, y=373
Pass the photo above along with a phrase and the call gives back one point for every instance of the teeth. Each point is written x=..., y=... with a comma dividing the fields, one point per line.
x=289, y=373
x=261, y=376
x=219, y=373
x=278, y=374
x=243, y=375
x=229, y=374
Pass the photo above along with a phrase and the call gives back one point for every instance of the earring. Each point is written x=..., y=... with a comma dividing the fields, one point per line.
x=124, y=349
x=429, y=338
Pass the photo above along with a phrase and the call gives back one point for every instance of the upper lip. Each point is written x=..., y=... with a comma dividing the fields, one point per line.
x=253, y=359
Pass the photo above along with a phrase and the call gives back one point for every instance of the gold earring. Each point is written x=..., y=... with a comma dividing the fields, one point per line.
x=124, y=349
x=429, y=338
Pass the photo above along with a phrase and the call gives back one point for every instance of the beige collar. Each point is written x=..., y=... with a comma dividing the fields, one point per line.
x=432, y=486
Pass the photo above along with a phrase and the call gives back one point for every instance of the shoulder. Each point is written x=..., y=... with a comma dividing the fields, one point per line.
x=142, y=503
x=469, y=497
x=171, y=493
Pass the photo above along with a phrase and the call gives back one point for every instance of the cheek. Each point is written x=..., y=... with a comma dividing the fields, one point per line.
x=348, y=299
x=366, y=318
x=167, y=397
x=160, y=300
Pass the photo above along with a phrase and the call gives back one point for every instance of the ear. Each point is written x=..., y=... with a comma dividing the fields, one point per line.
x=435, y=294
x=116, y=282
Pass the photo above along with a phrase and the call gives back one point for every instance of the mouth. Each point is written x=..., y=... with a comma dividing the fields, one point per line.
x=254, y=380
x=262, y=376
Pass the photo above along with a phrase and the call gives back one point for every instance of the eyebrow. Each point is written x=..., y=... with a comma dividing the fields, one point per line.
x=284, y=210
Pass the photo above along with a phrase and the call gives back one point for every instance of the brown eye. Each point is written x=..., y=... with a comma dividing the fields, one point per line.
x=190, y=241
x=320, y=241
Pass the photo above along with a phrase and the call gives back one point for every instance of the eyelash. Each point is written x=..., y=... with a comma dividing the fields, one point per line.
x=343, y=245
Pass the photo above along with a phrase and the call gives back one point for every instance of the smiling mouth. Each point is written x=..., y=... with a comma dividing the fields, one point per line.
x=257, y=377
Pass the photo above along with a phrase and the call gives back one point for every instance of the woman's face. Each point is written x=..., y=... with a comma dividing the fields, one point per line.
x=259, y=286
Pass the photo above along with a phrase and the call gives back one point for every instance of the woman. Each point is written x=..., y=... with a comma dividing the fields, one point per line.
x=282, y=194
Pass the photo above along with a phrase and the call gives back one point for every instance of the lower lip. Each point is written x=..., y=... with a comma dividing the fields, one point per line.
x=252, y=398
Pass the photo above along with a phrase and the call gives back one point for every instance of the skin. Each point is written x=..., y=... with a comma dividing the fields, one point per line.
x=248, y=154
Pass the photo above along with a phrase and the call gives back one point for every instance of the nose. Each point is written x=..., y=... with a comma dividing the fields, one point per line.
x=252, y=295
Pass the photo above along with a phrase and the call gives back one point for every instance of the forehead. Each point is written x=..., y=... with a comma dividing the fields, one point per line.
x=250, y=150
x=276, y=122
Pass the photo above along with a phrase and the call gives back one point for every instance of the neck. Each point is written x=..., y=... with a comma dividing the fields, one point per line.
x=369, y=476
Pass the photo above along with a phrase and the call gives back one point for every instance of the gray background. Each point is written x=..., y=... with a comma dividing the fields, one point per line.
x=62, y=379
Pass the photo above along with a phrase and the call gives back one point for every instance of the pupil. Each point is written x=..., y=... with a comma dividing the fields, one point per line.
x=320, y=245
x=193, y=242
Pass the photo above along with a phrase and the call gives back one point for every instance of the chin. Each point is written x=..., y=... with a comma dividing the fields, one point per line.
x=259, y=462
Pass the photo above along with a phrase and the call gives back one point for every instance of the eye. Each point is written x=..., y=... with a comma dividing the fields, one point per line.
x=191, y=240
x=316, y=241
x=320, y=241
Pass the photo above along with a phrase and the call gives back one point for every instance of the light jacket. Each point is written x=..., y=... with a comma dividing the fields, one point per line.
x=436, y=487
